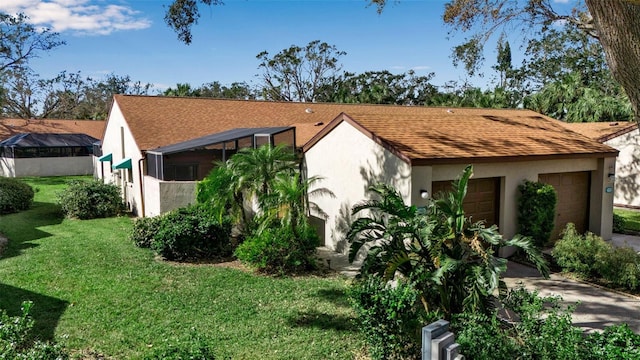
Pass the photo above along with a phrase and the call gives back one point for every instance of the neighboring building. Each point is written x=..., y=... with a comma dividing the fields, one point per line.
x=48, y=147
x=622, y=136
x=160, y=146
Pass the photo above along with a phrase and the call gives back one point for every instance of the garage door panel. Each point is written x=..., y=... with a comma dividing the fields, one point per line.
x=573, y=199
x=482, y=200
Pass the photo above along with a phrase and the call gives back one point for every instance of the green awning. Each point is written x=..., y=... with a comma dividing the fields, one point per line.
x=123, y=164
x=106, y=157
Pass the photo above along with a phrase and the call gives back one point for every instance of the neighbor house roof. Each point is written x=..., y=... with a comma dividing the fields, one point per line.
x=48, y=140
x=10, y=127
x=440, y=135
x=602, y=131
x=416, y=134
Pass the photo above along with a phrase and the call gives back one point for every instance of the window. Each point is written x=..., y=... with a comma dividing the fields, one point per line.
x=181, y=172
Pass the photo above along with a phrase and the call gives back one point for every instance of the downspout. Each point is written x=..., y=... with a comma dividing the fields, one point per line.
x=140, y=177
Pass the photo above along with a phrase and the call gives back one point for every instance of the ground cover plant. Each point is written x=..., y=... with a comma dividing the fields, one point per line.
x=94, y=291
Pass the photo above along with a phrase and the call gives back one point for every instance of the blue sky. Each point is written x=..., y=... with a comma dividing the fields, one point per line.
x=129, y=37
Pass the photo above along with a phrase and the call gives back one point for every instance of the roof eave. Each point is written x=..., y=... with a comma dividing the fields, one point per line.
x=515, y=158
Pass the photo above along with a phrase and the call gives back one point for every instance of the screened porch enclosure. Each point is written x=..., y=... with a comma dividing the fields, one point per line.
x=192, y=160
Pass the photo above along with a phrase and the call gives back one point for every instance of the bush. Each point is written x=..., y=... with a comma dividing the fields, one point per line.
x=191, y=233
x=90, y=200
x=276, y=250
x=618, y=223
x=15, y=342
x=143, y=231
x=15, y=195
x=536, y=211
x=390, y=316
x=483, y=337
x=615, y=342
x=619, y=267
x=580, y=254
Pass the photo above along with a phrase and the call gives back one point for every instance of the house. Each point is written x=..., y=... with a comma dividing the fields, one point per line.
x=158, y=147
x=623, y=136
x=420, y=151
x=47, y=147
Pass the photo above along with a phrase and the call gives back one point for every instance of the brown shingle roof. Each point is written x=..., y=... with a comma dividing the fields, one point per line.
x=602, y=131
x=417, y=134
x=10, y=127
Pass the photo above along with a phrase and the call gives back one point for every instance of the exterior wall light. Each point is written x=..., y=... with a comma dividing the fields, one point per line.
x=611, y=177
x=424, y=194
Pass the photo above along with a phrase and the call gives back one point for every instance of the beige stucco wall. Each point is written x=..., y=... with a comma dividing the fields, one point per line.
x=53, y=166
x=350, y=162
x=162, y=196
x=7, y=167
x=513, y=174
x=119, y=141
x=627, y=182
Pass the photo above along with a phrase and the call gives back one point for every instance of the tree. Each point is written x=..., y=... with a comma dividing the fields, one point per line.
x=237, y=90
x=21, y=41
x=182, y=90
x=298, y=73
x=503, y=65
x=379, y=87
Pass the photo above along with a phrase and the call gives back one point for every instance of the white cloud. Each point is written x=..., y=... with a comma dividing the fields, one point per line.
x=80, y=16
x=421, y=67
x=561, y=1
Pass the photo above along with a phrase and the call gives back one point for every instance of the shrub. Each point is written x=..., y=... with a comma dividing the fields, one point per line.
x=580, y=254
x=536, y=211
x=618, y=223
x=90, y=200
x=191, y=233
x=619, y=267
x=15, y=195
x=276, y=250
x=483, y=337
x=615, y=342
x=15, y=342
x=390, y=316
x=144, y=230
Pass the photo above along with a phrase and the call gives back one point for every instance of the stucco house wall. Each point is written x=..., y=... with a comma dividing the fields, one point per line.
x=119, y=142
x=162, y=196
x=627, y=180
x=349, y=161
x=52, y=166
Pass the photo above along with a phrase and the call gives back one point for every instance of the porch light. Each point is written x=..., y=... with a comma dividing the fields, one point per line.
x=611, y=177
x=424, y=194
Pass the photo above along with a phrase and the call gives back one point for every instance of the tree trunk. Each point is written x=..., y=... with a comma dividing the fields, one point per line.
x=618, y=25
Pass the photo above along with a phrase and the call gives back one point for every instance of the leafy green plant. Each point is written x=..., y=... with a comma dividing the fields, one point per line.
x=15, y=195
x=580, y=254
x=536, y=211
x=615, y=342
x=619, y=223
x=619, y=266
x=191, y=233
x=192, y=348
x=277, y=250
x=483, y=336
x=16, y=341
x=90, y=200
x=390, y=316
x=144, y=230
x=451, y=260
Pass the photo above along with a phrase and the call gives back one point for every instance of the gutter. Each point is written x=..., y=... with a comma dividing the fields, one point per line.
x=141, y=187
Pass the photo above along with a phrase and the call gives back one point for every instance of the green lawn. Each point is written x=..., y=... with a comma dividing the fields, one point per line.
x=95, y=291
x=631, y=219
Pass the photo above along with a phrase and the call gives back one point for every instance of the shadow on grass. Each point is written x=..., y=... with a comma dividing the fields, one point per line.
x=46, y=310
x=324, y=321
x=23, y=227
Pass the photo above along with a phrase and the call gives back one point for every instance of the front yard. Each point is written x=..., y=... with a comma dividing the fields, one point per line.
x=95, y=292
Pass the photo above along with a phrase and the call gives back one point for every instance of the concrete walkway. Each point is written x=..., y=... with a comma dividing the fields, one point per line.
x=597, y=308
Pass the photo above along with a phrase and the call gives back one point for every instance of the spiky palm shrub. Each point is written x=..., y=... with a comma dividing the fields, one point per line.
x=451, y=260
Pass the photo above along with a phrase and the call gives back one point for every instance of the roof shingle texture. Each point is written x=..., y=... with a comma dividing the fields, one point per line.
x=11, y=127
x=602, y=131
x=415, y=132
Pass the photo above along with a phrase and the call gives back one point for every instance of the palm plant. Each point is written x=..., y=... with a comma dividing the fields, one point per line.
x=451, y=260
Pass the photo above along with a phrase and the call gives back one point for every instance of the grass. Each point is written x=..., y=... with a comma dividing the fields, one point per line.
x=631, y=219
x=94, y=291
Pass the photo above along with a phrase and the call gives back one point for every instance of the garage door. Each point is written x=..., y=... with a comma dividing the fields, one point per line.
x=573, y=199
x=482, y=201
